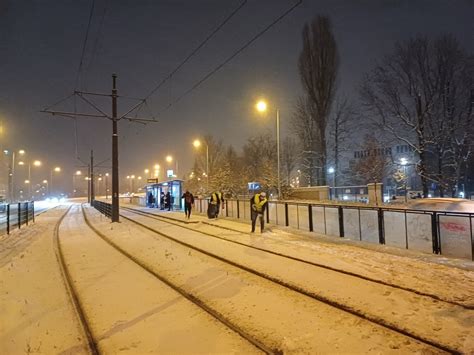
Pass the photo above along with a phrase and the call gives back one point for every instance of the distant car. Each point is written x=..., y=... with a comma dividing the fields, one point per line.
x=443, y=204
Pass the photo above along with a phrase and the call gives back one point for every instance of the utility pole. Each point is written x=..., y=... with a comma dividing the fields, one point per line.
x=91, y=178
x=115, y=169
x=114, y=118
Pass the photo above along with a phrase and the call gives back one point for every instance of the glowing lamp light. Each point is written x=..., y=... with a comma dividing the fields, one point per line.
x=78, y=172
x=331, y=170
x=37, y=163
x=21, y=163
x=197, y=143
x=146, y=171
x=45, y=181
x=57, y=169
x=403, y=161
x=21, y=152
x=169, y=158
x=261, y=106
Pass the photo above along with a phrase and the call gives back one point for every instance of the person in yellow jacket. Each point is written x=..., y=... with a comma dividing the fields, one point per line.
x=258, y=204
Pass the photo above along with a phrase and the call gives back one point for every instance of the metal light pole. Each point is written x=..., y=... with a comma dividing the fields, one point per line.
x=278, y=150
x=106, y=185
x=262, y=107
x=403, y=162
x=115, y=169
x=197, y=144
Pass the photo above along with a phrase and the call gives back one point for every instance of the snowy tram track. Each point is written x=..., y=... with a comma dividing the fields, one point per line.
x=442, y=325
x=71, y=290
x=184, y=224
x=125, y=306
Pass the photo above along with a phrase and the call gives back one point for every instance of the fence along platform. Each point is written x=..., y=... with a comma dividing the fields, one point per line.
x=446, y=233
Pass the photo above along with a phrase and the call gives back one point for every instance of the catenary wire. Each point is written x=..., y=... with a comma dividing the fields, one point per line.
x=190, y=55
x=195, y=50
x=91, y=13
x=236, y=53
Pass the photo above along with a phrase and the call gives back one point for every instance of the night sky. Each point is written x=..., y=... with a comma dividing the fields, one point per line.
x=143, y=40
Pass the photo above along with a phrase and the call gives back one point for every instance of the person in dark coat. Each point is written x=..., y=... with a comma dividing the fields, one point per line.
x=168, y=201
x=258, y=204
x=150, y=199
x=162, y=200
x=188, y=203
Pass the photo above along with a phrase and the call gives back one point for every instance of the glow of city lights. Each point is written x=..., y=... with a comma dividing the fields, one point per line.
x=21, y=163
x=45, y=181
x=21, y=152
x=197, y=143
x=57, y=169
x=146, y=171
x=78, y=172
x=37, y=163
x=27, y=181
x=157, y=166
x=169, y=158
x=106, y=174
x=132, y=176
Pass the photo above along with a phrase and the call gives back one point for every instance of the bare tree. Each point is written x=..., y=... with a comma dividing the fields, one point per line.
x=289, y=158
x=373, y=166
x=408, y=95
x=318, y=66
x=339, y=133
x=259, y=159
x=306, y=129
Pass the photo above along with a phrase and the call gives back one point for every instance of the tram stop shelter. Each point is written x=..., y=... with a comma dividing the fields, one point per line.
x=175, y=187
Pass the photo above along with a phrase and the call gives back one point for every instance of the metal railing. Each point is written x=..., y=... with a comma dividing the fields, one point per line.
x=103, y=207
x=15, y=215
x=439, y=232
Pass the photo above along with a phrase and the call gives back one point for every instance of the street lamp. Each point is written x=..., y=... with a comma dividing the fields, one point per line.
x=332, y=171
x=169, y=159
x=106, y=185
x=404, y=162
x=36, y=163
x=261, y=106
x=55, y=170
x=77, y=173
x=156, y=172
x=47, y=185
x=197, y=144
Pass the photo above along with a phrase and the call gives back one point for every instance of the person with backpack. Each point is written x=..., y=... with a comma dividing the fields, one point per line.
x=188, y=203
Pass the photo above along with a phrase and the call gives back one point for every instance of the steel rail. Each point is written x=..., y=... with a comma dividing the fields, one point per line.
x=304, y=261
x=190, y=297
x=335, y=304
x=72, y=291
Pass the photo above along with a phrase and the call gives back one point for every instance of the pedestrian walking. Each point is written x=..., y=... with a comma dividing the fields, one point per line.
x=258, y=204
x=188, y=203
x=150, y=199
x=212, y=208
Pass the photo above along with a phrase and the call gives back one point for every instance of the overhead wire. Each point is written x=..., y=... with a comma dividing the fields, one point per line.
x=195, y=50
x=99, y=35
x=91, y=13
x=236, y=53
x=188, y=57
x=78, y=75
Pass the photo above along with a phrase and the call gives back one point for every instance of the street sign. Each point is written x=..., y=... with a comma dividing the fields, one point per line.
x=152, y=181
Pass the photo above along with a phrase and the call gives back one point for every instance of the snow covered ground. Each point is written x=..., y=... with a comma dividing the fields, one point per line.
x=131, y=311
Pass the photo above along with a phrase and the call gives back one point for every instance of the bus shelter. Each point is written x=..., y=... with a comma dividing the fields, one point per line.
x=159, y=190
